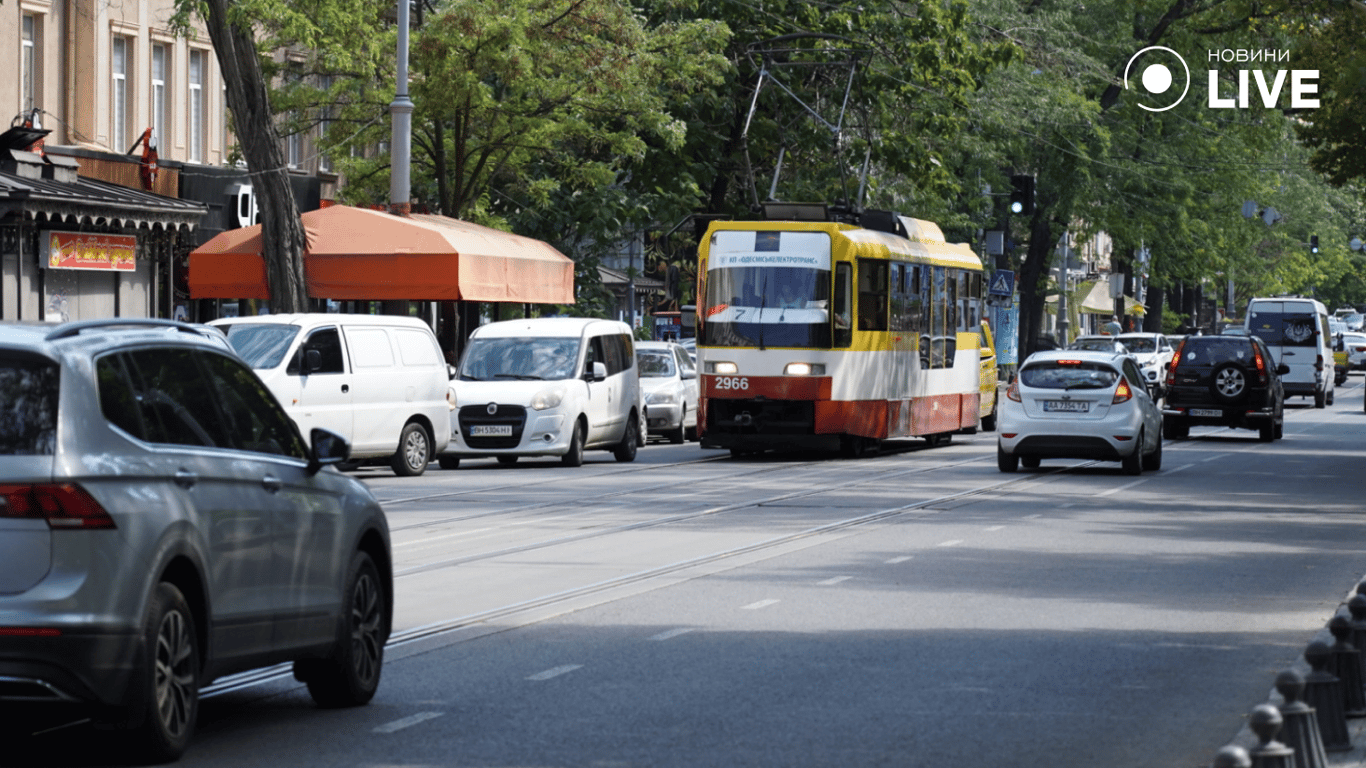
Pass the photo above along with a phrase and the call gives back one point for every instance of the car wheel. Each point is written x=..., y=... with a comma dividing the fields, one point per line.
x=1153, y=461
x=507, y=460
x=989, y=421
x=574, y=458
x=1030, y=462
x=1266, y=432
x=170, y=682
x=349, y=676
x=626, y=450
x=1133, y=463
x=1006, y=462
x=1229, y=383
x=1175, y=429
x=677, y=436
x=448, y=462
x=1329, y=400
x=414, y=451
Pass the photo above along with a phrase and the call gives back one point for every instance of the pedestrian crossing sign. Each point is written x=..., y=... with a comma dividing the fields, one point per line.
x=1002, y=283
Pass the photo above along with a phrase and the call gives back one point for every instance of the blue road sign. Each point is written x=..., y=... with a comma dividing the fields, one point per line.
x=1002, y=283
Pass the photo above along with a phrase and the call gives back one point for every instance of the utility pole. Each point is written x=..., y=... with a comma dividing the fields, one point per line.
x=401, y=114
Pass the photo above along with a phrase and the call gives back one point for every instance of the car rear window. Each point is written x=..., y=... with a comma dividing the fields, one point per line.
x=1139, y=344
x=1207, y=350
x=1068, y=374
x=29, y=386
x=1285, y=329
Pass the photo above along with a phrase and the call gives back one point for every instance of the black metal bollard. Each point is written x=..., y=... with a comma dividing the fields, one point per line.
x=1300, y=730
x=1266, y=721
x=1345, y=663
x=1357, y=607
x=1323, y=692
x=1232, y=756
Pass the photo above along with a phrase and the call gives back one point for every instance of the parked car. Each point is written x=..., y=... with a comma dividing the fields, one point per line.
x=546, y=387
x=668, y=381
x=1349, y=353
x=1154, y=355
x=163, y=523
x=377, y=380
x=988, y=379
x=1099, y=344
x=1296, y=331
x=689, y=345
x=1227, y=380
x=1077, y=404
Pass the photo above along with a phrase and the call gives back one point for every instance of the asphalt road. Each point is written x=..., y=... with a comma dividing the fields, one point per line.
x=917, y=608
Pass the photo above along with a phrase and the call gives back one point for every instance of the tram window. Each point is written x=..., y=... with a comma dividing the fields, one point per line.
x=872, y=295
x=951, y=302
x=844, y=334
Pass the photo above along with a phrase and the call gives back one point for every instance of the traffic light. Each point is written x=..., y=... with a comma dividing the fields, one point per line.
x=1022, y=194
x=1313, y=243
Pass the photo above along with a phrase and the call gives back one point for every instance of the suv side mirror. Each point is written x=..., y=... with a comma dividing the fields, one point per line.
x=599, y=371
x=1282, y=369
x=451, y=371
x=313, y=361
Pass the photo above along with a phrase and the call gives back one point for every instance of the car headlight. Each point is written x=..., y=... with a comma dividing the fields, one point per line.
x=547, y=398
x=450, y=398
x=662, y=397
x=804, y=369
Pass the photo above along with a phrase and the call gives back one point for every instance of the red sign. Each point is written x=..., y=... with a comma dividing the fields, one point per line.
x=85, y=250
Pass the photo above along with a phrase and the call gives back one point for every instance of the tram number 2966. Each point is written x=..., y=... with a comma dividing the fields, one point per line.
x=730, y=382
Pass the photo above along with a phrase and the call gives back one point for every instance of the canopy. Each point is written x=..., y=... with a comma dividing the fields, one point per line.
x=1096, y=300
x=358, y=253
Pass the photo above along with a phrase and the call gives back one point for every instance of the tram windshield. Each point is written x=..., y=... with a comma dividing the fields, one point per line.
x=768, y=289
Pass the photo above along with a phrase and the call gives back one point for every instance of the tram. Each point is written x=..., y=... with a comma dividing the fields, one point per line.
x=831, y=335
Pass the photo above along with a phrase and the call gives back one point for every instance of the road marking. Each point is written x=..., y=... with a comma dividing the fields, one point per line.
x=1119, y=488
x=1068, y=505
x=1036, y=517
x=1180, y=468
x=950, y=543
x=411, y=720
x=899, y=560
x=1215, y=456
x=671, y=633
x=758, y=605
x=833, y=581
x=997, y=528
x=556, y=672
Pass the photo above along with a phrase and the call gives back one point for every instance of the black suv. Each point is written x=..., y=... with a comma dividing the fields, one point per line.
x=1225, y=381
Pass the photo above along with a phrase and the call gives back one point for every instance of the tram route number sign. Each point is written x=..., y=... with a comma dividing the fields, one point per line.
x=1002, y=283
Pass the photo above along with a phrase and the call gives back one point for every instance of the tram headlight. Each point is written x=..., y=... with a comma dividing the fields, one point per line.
x=547, y=398
x=722, y=367
x=804, y=369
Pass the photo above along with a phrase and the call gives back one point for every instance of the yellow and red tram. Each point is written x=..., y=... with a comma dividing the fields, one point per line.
x=827, y=335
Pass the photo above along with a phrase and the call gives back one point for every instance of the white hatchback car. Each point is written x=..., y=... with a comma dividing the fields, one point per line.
x=668, y=381
x=1074, y=404
x=1153, y=353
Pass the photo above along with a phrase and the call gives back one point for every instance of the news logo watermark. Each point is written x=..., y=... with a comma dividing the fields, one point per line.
x=1156, y=69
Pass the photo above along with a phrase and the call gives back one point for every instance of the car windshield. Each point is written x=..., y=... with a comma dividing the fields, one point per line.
x=1068, y=374
x=1140, y=344
x=28, y=405
x=526, y=358
x=768, y=288
x=655, y=363
x=262, y=345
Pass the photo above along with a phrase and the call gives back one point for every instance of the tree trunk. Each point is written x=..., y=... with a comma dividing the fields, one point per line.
x=282, y=231
x=1033, y=281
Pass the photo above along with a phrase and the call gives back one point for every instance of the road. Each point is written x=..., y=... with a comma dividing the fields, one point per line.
x=917, y=608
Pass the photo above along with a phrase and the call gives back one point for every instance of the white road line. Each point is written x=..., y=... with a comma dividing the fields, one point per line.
x=899, y=560
x=1119, y=488
x=556, y=672
x=1036, y=517
x=410, y=720
x=1180, y=468
x=758, y=605
x=834, y=580
x=950, y=543
x=671, y=633
x=1215, y=456
x=997, y=528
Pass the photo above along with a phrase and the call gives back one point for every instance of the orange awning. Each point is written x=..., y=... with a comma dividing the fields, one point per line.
x=358, y=253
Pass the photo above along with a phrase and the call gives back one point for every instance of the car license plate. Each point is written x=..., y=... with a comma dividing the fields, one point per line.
x=491, y=430
x=1215, y=412
x=1066, y=406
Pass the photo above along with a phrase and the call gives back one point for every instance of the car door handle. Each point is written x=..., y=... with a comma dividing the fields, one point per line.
x=1287, y=354
x=185, y=478
x=346, y=388
x=272, y=483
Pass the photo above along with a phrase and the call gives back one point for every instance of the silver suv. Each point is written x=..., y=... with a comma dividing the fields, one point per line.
x=163, y=523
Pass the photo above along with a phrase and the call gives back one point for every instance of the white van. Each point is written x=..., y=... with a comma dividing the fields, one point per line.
x=546, y=387
x=377, y=380
x=1296, y=331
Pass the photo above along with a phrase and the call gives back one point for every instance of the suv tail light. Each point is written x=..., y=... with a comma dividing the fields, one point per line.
x=1122, y=393
x=1259, y=363
x=1176, y=360
x=62, y=505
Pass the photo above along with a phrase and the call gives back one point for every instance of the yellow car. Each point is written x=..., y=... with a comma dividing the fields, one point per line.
x=989, y=378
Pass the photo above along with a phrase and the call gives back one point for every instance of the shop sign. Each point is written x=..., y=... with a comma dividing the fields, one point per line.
x=85, y=250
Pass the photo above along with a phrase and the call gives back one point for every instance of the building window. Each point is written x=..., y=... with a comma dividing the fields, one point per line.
x=118, y=100
x=29, y=75
x=295, y=144
x=159, y=71
x=196, y=107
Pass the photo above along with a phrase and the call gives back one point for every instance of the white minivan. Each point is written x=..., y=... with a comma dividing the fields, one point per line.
x=1296, y=331
x=546, y=387
x=377, y=380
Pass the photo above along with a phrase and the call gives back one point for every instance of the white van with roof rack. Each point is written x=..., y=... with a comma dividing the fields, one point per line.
x=546, y=387
x=1296, y=331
